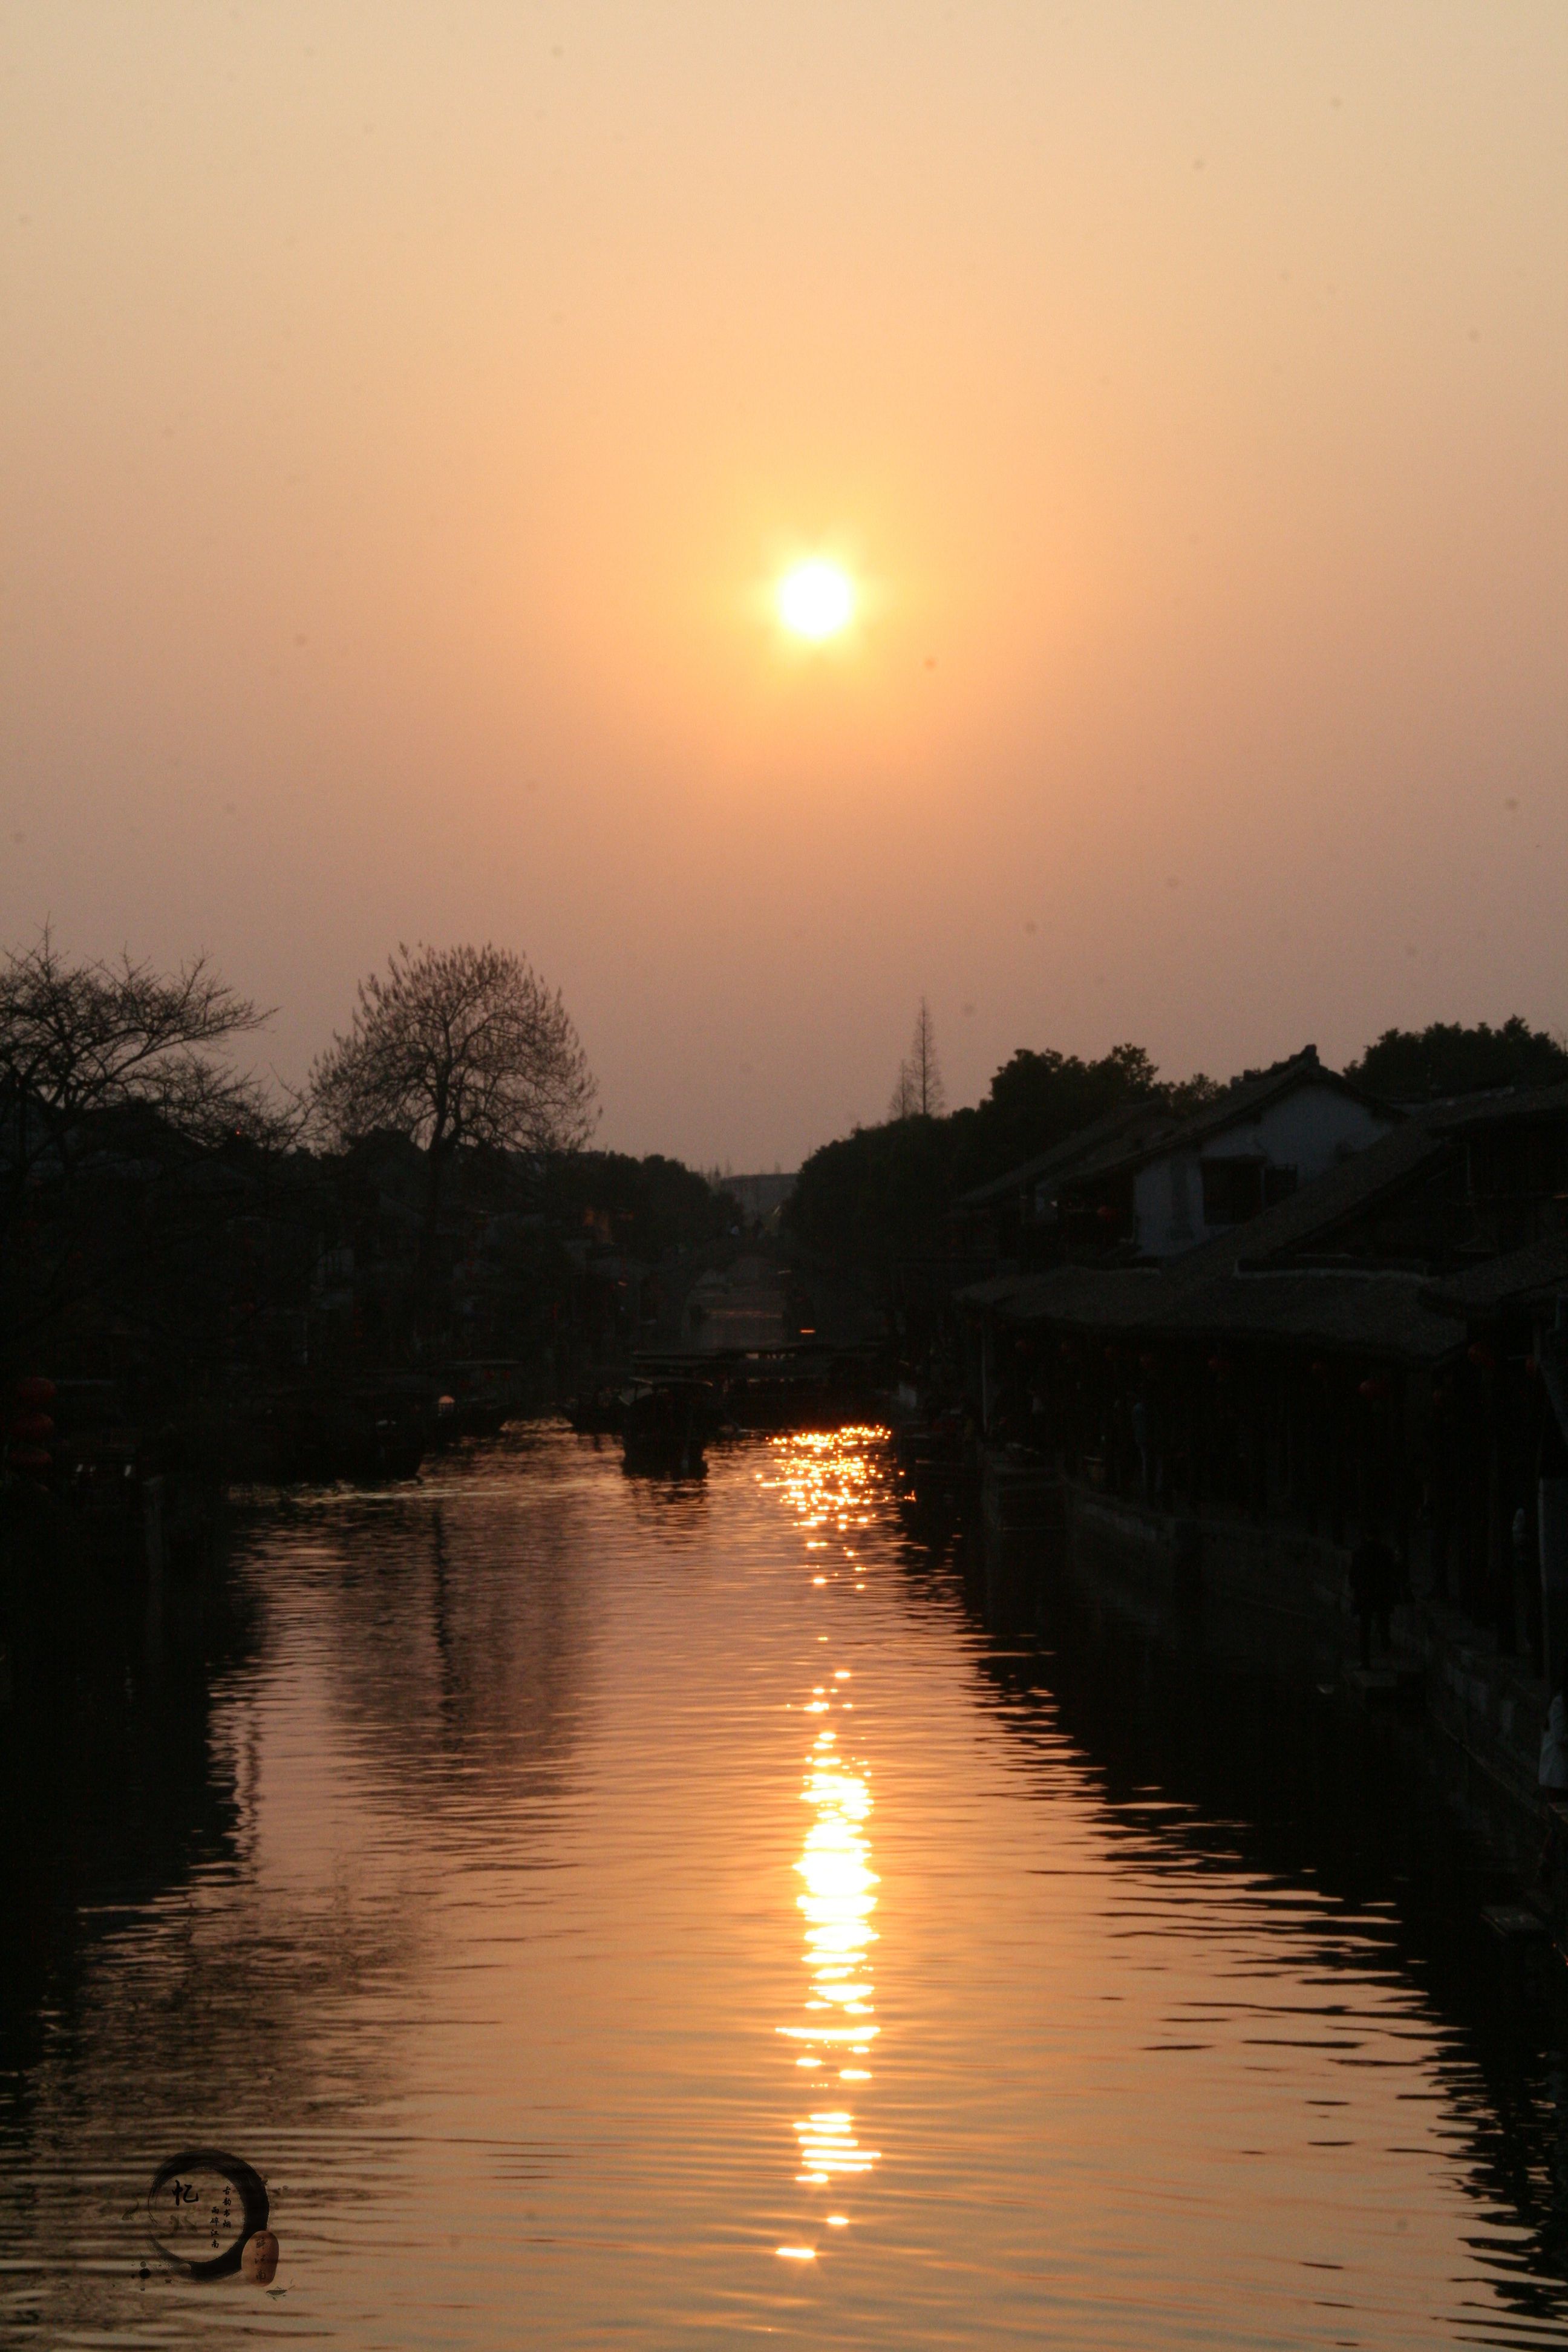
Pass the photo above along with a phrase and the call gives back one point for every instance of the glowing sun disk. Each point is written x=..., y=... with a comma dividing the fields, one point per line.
x=815, y=600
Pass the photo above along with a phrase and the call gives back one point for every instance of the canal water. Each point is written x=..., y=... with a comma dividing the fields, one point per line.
x=611, y=1914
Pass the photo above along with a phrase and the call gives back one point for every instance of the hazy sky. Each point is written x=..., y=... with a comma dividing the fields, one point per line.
x=408, y=407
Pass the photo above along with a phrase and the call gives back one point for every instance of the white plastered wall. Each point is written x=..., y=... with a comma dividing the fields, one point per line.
x=1309, y=1129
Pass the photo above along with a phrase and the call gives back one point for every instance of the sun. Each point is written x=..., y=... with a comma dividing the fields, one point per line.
x=816, y=600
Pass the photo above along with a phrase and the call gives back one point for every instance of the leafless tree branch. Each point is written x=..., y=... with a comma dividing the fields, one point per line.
x=456, y=1045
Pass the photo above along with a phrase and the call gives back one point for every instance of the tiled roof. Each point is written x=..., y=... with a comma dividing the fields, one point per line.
x=1523, y=1277
x=1136, y=1118
x=1501, y=1103
x=1345, y=1190
x=1216, y=1290
x=1243, y=1284
x=1379, y=1314
x=1243, y=1100
x=1124, y=1297
x=1141, y=1131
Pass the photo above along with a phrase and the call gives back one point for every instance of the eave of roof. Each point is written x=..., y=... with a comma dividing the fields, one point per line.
x=1494, y=1108
x=1066, y=1155
x=1531, y=1277
x=1329, y=1201
x=1373, y=1313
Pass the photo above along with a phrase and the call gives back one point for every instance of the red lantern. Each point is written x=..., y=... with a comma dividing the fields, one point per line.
x=1066, y=1351
x=1320, y=1370
x=33, y=1429
x=1374, y=1389
x=29, y=1457
x=1532, y=1368
x=1110, y=1355
x=1481, y=1356
x=1148, y=1362
x=1106, y=1213
x=1219, y=1364
x=31, y=1395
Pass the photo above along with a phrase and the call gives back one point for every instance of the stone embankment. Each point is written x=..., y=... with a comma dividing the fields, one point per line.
x=1278, y=1601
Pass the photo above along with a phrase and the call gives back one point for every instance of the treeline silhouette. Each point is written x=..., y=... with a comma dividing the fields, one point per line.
x=1411, y=1066
x=175, y=1226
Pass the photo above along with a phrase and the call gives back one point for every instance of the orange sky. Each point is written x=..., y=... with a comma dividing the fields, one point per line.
x=407, y=405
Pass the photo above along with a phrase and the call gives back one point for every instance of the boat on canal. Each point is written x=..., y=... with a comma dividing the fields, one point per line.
x=479, y=1396
x=667, y=1425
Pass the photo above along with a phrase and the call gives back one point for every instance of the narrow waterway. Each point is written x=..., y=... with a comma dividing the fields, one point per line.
x=615, y=1914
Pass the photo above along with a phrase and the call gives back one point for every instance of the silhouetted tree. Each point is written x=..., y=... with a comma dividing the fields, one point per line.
x=904, y=1102
x=876, y=1195
x=1188, y=1095
x=919, y=1092
x=1427, y=1064
x=81, y=1040
x=106, y=1070
x=930, y=1095
x=1038, y=1099
x=456, y=1046
x=652, y=1204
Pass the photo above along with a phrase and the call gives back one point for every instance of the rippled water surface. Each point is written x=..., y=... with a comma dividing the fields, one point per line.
x=620, y=1914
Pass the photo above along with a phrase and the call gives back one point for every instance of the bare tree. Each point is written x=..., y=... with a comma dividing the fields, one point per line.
x=919, y=1092
x=925, y=1076
x=904, y=1102
x=455, y=1047
x=78, y=1040
x=110, y=1073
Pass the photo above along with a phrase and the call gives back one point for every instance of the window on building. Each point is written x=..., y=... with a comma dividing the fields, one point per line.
x=1278, y=1184
x=1233, y=1191
x=1181, y=1203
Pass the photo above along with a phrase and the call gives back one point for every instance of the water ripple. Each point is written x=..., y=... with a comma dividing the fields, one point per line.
x=614, y=1912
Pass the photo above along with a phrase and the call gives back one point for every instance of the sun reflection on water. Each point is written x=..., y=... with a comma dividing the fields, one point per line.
x=837, y=1902
x=830, y=1481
